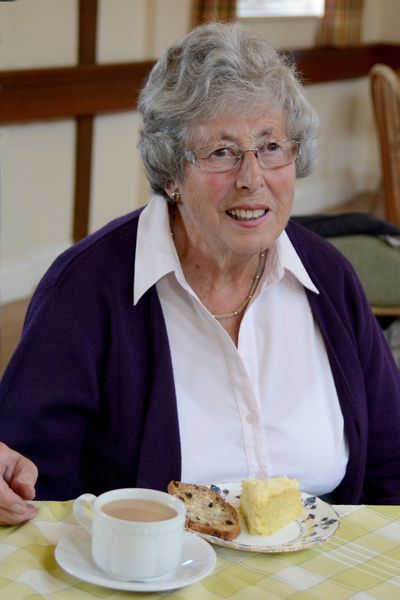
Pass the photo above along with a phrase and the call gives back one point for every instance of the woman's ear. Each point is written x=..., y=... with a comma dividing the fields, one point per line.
x=173, y=193
x=169, y=188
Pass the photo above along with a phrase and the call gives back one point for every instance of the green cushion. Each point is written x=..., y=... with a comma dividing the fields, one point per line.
x=377, y=265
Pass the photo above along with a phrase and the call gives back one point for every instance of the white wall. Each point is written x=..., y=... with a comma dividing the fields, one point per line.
x=387, y=21
x=349, y=162
x=37, y=160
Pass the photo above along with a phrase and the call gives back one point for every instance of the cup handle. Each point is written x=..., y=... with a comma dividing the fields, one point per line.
x=80, y=506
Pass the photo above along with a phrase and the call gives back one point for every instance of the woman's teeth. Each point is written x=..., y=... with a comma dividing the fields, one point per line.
x=246, y=214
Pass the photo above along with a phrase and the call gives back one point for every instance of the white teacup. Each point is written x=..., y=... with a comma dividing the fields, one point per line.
x=137, y=534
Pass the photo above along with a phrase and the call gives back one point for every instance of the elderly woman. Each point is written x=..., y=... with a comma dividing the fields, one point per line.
x=205, y=338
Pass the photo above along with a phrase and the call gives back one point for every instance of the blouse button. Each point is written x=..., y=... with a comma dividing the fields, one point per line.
x=252, y=419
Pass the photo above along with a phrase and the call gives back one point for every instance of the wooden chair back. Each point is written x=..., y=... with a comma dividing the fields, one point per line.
x=385, y=92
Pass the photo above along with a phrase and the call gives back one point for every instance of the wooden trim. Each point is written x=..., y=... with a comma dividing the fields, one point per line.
x=87, y=31
x=68, y=92
x=386, y=311
x=326, y=64
x=84, y=125
x=83, y=176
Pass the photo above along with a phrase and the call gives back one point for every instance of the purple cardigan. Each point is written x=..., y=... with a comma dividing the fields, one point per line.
x=89, y=394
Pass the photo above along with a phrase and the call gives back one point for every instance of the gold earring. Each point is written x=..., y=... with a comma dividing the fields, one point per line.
x=176, y=196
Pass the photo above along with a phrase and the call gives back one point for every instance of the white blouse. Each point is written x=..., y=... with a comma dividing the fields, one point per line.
x=267, y=407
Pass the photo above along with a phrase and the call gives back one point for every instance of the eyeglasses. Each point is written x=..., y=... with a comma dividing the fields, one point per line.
x=270, y=154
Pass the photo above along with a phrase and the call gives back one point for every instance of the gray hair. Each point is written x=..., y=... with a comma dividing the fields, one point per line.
x=213, y=67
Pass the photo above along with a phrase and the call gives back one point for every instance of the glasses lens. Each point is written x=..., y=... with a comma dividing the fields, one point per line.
x=277, y=153
x=218, y=158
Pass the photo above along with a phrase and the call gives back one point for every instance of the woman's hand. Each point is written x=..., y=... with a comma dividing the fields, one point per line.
x=18, y=476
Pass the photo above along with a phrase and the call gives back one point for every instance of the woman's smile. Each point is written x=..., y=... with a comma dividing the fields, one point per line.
x=248, y=216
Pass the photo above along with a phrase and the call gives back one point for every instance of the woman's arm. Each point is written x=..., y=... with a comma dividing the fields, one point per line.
x=49, y=397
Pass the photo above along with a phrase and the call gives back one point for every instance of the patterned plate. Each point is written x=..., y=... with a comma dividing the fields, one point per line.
x=319, y=523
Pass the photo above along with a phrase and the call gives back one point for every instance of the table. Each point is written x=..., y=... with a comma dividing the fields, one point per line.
x=362, y=561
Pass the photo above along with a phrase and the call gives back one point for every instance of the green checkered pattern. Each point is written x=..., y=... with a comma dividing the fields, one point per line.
x=362, y=561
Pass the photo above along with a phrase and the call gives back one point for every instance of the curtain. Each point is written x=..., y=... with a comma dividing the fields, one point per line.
x=341, y=24
x=213, y=10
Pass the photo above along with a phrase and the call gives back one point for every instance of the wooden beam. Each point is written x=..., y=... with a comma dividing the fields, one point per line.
x=83, y=176
x=67, y=92
x=327, y=64
x=87, y=32
x=84, y=124
x=38, y=94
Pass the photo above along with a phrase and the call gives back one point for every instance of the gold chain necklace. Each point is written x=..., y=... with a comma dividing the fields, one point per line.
x=253, y=287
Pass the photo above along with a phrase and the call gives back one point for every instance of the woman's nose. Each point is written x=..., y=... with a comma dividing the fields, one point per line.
x=249, y=174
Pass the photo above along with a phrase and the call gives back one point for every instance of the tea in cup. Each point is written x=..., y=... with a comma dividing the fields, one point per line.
x=137, y=534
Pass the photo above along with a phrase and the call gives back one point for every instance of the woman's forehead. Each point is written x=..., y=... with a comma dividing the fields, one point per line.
x=232, y=127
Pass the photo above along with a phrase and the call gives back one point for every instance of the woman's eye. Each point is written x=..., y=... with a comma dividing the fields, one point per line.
x=224, y=152
x=271, y=147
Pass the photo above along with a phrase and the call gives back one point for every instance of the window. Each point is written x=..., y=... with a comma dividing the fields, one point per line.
x=280, y=8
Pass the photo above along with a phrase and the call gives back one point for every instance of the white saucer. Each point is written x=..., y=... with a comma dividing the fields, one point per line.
x=73, y=554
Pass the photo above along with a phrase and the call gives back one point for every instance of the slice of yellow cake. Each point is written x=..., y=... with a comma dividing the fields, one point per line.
x=269, y=504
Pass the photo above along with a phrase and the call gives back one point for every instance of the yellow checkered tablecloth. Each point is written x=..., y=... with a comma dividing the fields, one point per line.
x=362, y=561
